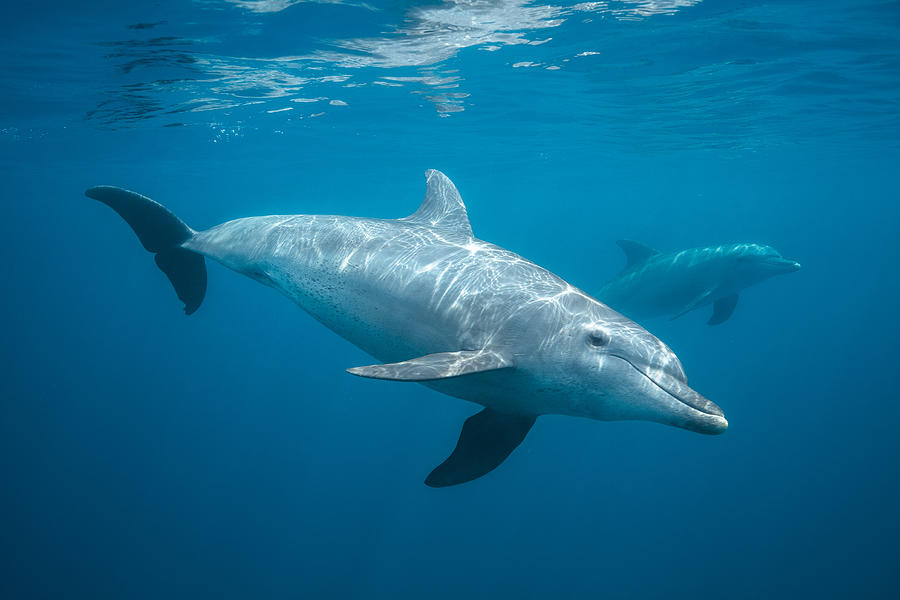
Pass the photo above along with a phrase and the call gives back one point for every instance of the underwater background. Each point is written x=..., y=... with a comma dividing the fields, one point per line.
x=145, y=454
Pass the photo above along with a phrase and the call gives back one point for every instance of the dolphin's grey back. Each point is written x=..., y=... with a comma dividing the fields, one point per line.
x=367, y=279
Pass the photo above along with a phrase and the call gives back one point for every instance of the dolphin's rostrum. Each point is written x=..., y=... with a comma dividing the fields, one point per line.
x=436, y=305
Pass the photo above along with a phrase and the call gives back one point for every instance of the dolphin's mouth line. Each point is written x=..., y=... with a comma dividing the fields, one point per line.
x=783, y=263
x=709, y=409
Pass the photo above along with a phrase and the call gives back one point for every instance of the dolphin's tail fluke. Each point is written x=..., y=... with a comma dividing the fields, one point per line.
x=162, y=233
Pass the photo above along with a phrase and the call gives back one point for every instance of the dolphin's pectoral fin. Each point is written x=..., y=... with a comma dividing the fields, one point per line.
x=695, y=303
x=487, y=438
x=722, y=309
x=635, y=252
x=436, y=366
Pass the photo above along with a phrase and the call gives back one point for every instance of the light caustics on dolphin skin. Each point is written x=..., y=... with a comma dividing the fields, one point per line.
x=441, y=307
x=411, y=53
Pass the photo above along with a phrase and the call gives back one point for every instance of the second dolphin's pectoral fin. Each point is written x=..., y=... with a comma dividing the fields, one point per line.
x=722, y=309
x=635, y=252
x=437, y=366
x=695, y=303
x=487, y=438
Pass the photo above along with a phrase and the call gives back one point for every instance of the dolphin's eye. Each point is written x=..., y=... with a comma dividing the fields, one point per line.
x=598, y=338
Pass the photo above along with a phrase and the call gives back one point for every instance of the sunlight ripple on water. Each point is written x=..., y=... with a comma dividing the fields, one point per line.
x=424, y=39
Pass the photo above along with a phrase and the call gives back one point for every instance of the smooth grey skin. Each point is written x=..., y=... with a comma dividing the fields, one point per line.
x=672, y=284
x=462, y=316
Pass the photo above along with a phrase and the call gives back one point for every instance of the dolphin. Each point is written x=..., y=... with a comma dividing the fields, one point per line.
x=436, y=305
x=654, y=283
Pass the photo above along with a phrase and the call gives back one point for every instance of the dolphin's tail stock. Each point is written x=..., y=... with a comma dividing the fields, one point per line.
x=162, y=233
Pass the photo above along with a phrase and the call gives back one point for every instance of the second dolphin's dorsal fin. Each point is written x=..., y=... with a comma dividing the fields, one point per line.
x=635, y=252
x=443, y=208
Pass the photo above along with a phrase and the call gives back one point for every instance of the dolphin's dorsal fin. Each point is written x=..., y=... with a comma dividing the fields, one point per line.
x=635, y=252
x=443, y=208
x=436, y=366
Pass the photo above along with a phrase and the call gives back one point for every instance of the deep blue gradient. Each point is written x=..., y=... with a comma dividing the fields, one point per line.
x=146, y=454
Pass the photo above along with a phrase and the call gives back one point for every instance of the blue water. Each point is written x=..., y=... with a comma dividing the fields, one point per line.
x=146, y=454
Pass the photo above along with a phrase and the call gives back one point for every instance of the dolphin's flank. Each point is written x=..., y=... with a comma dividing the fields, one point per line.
x=434, y=304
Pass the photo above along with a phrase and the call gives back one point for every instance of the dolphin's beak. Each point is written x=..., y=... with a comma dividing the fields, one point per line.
x=701, y=415
x=784, y=265
x=684, y=407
